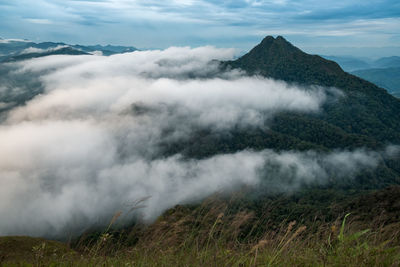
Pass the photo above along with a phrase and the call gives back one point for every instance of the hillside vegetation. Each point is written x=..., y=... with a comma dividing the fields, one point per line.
x=347, y=221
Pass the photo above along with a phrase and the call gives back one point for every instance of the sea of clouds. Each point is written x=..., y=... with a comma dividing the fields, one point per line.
x=89, y=145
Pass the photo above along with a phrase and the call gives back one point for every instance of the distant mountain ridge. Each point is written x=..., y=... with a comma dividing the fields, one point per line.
x=13, y=50
x=351, y=64
x=61, y=51
x=388, y=78
x=348, y=63
x=383, y=72
x=387, y=62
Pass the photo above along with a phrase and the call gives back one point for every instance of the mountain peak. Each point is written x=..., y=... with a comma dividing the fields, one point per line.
x=277, y=58
x=279, y=41
x=268, y=39
x=271, y=38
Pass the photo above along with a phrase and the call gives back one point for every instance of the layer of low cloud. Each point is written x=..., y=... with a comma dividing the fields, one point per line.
x=89, y=144
x=7, y=41
x=30, y=50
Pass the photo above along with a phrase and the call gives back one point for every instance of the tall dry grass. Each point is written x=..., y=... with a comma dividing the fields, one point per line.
x=220, y=233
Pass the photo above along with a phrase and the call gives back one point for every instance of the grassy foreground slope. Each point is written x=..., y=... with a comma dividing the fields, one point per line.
x=226, y=231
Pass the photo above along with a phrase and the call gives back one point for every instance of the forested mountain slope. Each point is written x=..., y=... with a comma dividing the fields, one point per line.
x=358, y=115
x=365, y=109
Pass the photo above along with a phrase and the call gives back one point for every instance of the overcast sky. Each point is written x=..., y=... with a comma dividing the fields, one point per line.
x=315, y=26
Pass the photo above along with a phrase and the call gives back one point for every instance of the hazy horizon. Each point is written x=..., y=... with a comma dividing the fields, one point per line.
x=366, y=53
x=364, y=29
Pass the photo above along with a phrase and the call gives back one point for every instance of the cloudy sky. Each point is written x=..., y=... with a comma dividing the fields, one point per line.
x=315, y=26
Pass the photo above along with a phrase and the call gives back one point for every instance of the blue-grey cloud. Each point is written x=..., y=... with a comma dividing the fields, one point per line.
x=355, y=10
x=201, y=22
